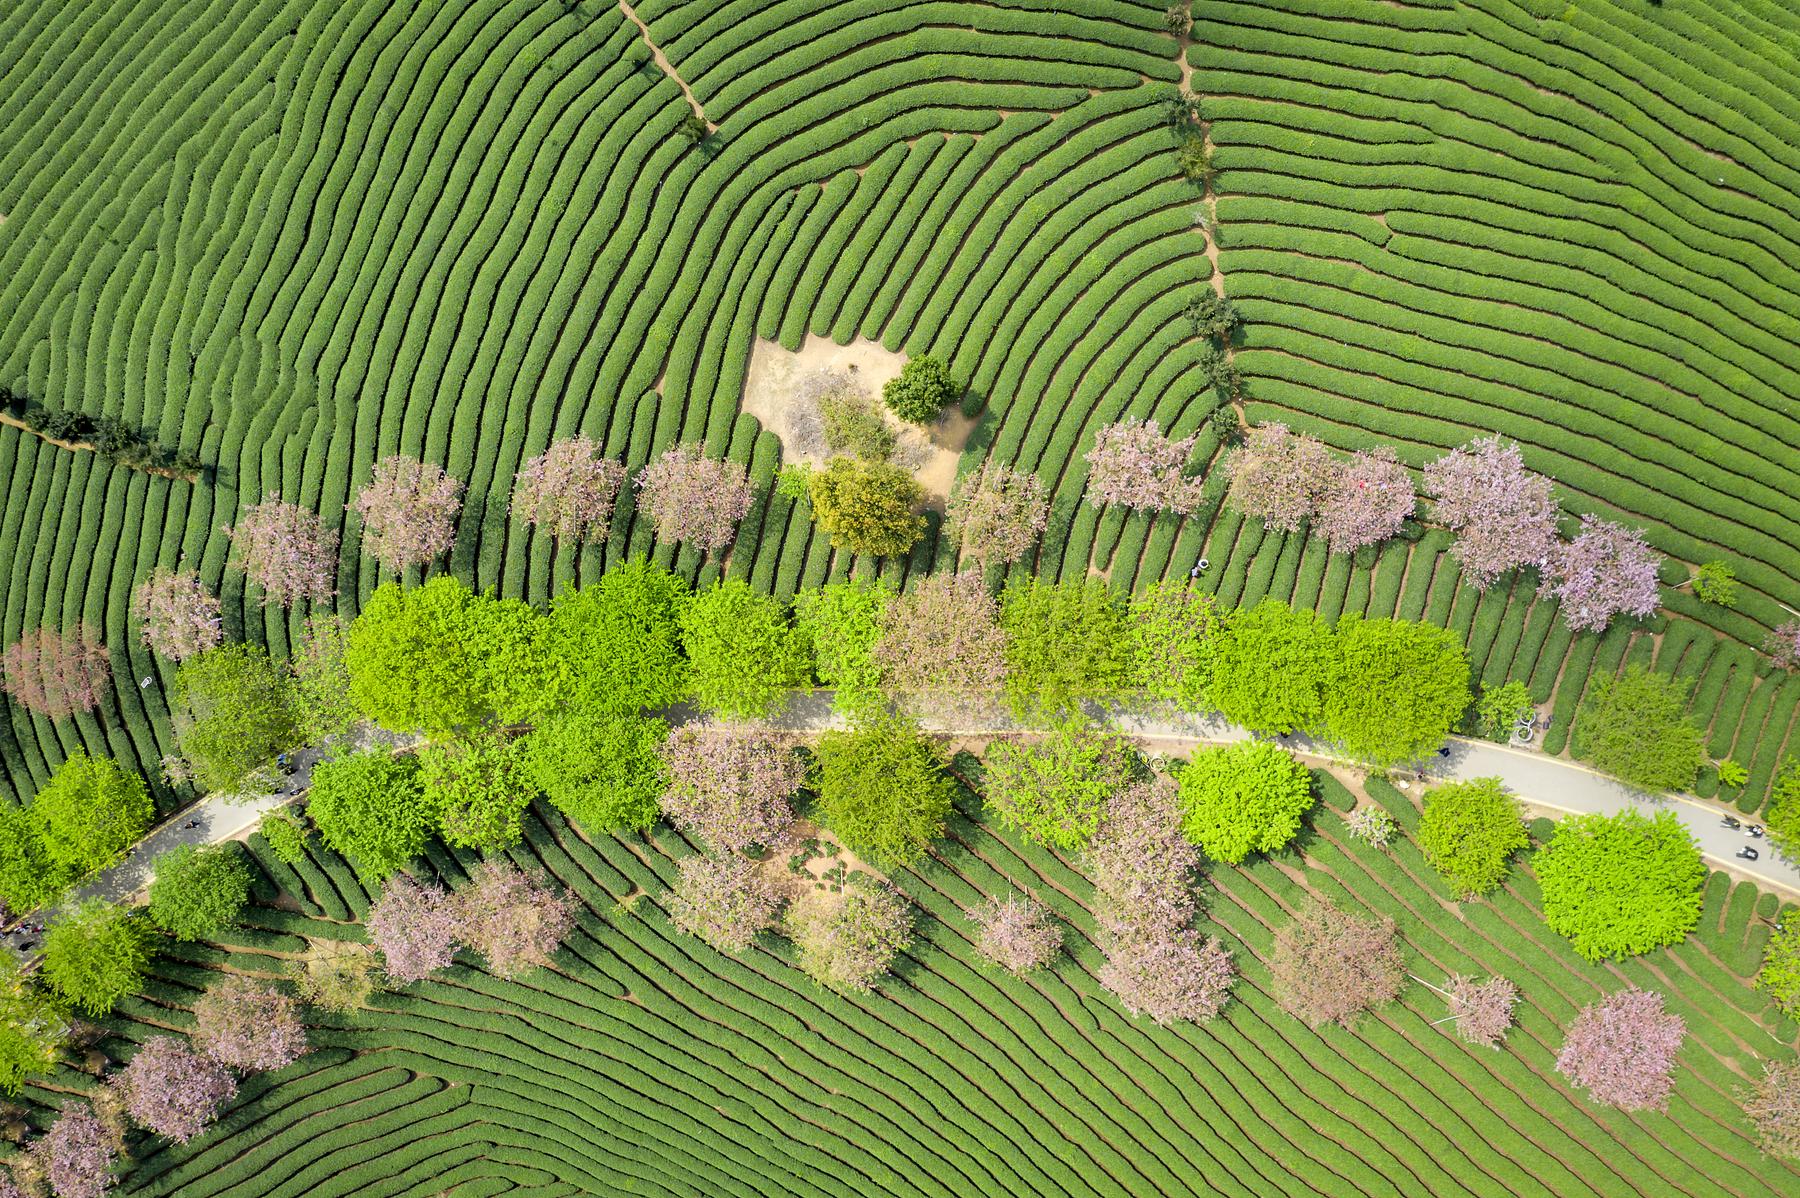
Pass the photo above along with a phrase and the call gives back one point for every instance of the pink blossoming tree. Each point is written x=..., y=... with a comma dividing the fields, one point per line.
x=723, y=899
x=729, y=787
x=180, y=617
x=1773, y=1106
x=76, y=1155
x=1783, y=645
x=1370, y=499
x=568, y=490
x=1016, y=933
x=1622, y=1050
x=1134, y=465
x=513, y=920
x=941, y=641
x=1607, y=570
x=1170, y=977
x=248, y=1025
x=691, y=497
x=996, y=514
x=1504, y=516
x=409, y=510
x=1482, y=1011
x=848, y=943
x=417, y=928
x=1329, y=965
x=173, y=1090
x=1140, y=863
x=1280, y=477
x=286, y=550
x=55, y=673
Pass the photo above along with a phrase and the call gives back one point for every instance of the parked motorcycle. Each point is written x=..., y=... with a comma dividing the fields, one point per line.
x=1755, y=830
x=1731, y=822
x=1748, y=853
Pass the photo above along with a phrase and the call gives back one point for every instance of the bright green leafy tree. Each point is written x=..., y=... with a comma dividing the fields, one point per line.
x=599, y=768
x=867, y=507
x=1243, y=798
x=883, y=789
x=82, y=821
x=1783, y=814
x=1622, y=884
x=1397, y=689
x=198, y=893
x=842, y=622
x=1470, y=831
x=234, y=709
x=32, y=1030
x=1175, y=632
x=921, y=391
x=28, y=878
x=285, y=834
x=95, y=954
x=1065, y=642
x=617, y=643
x=1272, y=666
x=1498, y=710
x=1055, y=790
x=745, y=656
x=1780, y=973
x=479, y=788
x=1635, y=727
x=371, y=807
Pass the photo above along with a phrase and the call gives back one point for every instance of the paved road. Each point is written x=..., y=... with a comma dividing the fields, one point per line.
x=1549, y=782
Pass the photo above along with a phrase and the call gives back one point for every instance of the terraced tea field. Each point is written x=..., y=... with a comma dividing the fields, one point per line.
x=647, y=1063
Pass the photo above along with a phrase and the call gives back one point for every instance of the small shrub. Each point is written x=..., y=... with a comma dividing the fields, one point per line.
x=1371, y=825
x=921, y=391
x=1469, y=832
x=1716, y=583
x=335, y=975
x=853, y=425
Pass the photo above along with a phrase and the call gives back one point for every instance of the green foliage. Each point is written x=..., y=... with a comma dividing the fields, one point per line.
x=618, y=642
x=28, y=878
x=1782, y=818
x=371, y=807
x=1617, y=885
x=1194, y=159
x=32, y=1030
x=95, y=954
x=1397, y=689
x=1243, y=798
x=853, y=425
x=841, y=621
x=794, y=482
x=478, y=787
x=286, y=836
x=1716, y=583
x=692, y=128
x=744, y=656
x=322, y=680
x=1635, y=727
x=1054, y=791
x=1469, y=832
x=198, y=893
x=921, y=390
x=89, y=813
x=1065, y=642
x=1733, y=773
x=234, y=710
x=1272, y=666
x=599, y=768
x=1780, y=972
x=1499, y=709
x=867, y=507
x=440, y=660
x=1175, y=631
x=883, y=789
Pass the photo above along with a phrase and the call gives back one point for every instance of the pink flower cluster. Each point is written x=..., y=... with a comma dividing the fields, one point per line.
x=512, y=919
x=417, y=928
x=1483, y=1010
x=1329, y=965
x=1370, y=499
x=691, y=497
x=1503, y=514
x=724, y=899
x=942, y=637
x=180, y=616
x=56, y=674
x=568, y=490
x=729, y=788
x=286, y=550
x=1783, y=645
x=1133, y=464
x=1015, y=932
x=997, y=513
x=173, y=1090
x=1170, y=977
x=76, y=1155
x=1280, y=477
x=1622, y=1050
x=1606, y=571
x=409, y=510
x=248, y=1025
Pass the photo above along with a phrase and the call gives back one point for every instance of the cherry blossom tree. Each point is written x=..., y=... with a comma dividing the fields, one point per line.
x=1280, y=477
x=691, y=497
x=941, y=641
x=248, y=1025
x=55, y=673
x=1140, y=863
x=417, y=928
x=997, y=513
x=1329, y=965
x=847, y=942
x=1370, y=498
x=286, y=550
x=1482, y=1011
x=1773, y=1106
x=173, y=1090
x=76, y=1155
x=1504, y=516
x=1171, y=976
x=180, y=616
x=724, y=899
x=1606, y=571
x=1015, y=932
x=1783, y=645
x=568, y=490
x=1371, y=825
x=1134, y=465
x=513, y=920
x=409, y=510
x=728, y=787
x=1622, y=1050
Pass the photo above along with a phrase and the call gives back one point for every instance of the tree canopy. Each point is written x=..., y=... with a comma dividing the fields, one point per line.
x=234, y=710
x=1056, y=790
x=1618, y=885
x=744, y=655
x=32, y=1030
x=1272, y=666
x=867, y=507
x=95, y=955
x=1635, y=727
x=198, y=893
x=1783, y=814
x=1065, y=642
x=617, y=642
x=1396, y=689
x=883, y=789
x=599, y=768
x=371, y=807
x=1243, y=798
x=1175, y=633
x=478, y=788
x=841, y=621
x=82, y=821
x=922, y=390
x=1469, y=832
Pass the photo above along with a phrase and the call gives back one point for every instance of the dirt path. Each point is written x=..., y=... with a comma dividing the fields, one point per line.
x=663, y=64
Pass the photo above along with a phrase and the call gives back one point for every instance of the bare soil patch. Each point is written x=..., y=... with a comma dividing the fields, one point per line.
x=781, y=389
x=812, y=864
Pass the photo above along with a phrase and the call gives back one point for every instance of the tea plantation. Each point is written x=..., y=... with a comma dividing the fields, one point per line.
x=289, y=238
